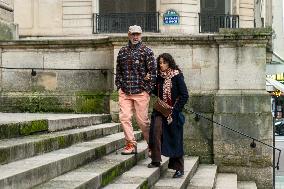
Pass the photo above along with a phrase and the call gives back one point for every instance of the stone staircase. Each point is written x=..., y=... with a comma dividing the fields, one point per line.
x=83, y=151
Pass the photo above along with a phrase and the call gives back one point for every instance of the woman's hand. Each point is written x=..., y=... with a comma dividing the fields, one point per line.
x=170, y=118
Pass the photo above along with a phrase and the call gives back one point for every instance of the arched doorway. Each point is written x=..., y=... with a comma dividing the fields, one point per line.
x=115, y=16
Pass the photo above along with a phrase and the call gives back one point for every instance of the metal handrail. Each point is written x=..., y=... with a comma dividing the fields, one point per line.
x=32, y=68
x=252, y=145
x=34, y=73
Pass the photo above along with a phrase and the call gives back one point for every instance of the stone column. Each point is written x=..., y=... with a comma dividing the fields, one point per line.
x=243, y=104
x=236, y=7
x=258, y=13
x=95, y=6
x=268, y=12
x=188, y=11
x=95, y=9
x=246, y=13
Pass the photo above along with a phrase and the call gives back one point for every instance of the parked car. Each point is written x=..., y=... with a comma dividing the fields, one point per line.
x=279, y=127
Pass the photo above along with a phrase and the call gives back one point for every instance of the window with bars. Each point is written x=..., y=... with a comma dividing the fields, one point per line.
x=115, y=16
x=215, y=14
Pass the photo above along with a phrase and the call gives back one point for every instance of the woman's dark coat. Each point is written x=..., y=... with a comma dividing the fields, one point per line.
x=172, y=138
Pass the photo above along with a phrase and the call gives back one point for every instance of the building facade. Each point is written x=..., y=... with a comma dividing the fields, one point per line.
x=86, y=17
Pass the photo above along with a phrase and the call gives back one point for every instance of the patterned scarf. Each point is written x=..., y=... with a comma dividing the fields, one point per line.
x=167, y=86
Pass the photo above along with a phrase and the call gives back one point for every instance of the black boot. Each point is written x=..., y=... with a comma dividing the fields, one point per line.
x=154, y=164
x=178, y=174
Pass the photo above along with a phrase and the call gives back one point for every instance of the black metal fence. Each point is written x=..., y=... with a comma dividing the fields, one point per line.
x=209, y=23
x=119, y=22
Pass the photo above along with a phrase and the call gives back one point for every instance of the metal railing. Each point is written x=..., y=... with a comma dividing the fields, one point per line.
x=209, y=23
x=119, y=22
x=252, y=144
x=34, y=70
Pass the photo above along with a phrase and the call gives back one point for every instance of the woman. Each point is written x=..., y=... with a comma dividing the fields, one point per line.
x=166, y=133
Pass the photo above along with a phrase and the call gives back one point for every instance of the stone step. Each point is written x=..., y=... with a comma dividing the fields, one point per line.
x=246, y=185
x=36, y=170
x=80, y=120
x=166, y=181
x=29, y=146
x=99, y=172
x=226, y=181
x=204, y=178
x=139, y=176
x=17, y=124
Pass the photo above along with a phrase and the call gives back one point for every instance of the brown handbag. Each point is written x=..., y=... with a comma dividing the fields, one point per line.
x=162, y=107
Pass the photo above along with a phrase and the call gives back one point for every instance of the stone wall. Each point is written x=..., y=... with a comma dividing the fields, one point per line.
x=250, y=114
x=71, y=75
x=243, y=104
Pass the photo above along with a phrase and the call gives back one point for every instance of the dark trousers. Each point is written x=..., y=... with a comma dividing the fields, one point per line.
x=176, y=163
x=156, y=144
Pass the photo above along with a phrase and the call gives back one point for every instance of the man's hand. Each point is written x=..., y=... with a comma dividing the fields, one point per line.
x=147, y=77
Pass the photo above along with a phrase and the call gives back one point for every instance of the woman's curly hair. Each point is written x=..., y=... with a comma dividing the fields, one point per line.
x=169, y=59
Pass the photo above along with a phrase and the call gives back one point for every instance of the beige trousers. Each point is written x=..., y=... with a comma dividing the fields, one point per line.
x=138, y=104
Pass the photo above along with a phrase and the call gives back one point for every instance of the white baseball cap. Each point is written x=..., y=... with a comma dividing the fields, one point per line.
x=134, y=29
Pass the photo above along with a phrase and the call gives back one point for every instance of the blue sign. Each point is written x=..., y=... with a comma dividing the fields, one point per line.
x=171, y=17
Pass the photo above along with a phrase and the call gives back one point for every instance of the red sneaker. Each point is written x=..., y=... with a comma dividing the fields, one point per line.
x=129, y=149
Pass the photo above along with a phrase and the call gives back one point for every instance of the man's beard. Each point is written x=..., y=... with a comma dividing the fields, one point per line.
x=134, y=42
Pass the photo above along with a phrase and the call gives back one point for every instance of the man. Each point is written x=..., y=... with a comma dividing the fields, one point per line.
x=136, y=72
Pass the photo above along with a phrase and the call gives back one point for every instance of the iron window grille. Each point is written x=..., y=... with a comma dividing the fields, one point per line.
x=119, y=22
x=210, y=23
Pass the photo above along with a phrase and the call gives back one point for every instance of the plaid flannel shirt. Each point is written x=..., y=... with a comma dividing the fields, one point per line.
x=134, y=62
